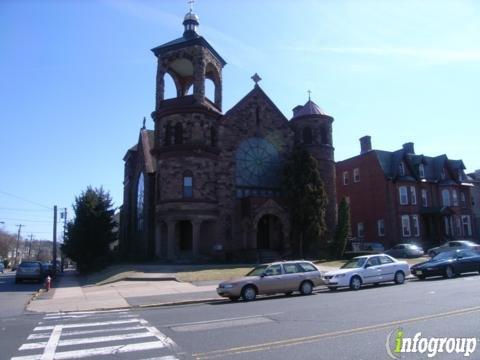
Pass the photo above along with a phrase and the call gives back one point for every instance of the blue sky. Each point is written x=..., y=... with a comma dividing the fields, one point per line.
x=77, y=77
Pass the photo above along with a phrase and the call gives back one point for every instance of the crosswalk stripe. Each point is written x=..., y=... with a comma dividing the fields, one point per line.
x=100, y=323
x=81, y=316
x=92, y=340
x=84, y=332
x=108, y=350
x=51, y=345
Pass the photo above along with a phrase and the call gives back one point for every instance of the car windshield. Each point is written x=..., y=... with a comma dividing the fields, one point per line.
x=258, y=271
x=444, y=256
x=354, y=263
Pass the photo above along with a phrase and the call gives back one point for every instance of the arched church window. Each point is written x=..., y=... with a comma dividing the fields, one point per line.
x=188, y=184
x=213, y=136
x=307, y=135
x=257, y=164
x=168, y=135
x=323, y=136
x=140, y=202
x=178, y=134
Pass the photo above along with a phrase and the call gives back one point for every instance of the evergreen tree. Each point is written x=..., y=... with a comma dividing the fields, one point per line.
x=343, y=227
x=89, y=235
x=307, y=201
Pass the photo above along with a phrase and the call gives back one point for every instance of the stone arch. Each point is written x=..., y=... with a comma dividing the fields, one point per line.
x=271, y=207
x=212, y=73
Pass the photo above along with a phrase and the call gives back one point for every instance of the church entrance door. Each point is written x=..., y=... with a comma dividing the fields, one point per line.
x=184, y=235
x=269, y=233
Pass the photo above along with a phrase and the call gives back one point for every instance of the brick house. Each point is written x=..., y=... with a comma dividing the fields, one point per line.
x=207, y=184
x=397, y=197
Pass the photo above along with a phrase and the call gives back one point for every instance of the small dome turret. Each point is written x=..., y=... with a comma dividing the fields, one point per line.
x=191, y=23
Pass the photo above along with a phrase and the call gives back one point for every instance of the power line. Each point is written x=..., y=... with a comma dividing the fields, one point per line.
x=35, y=221
x=29, y=201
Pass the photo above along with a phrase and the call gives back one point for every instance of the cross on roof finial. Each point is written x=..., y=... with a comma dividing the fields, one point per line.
x=190, y=3
x=144, y=120
x=256, y=78
x=309, y=93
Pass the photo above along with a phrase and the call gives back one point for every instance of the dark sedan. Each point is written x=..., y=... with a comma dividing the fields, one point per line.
x=448, y=264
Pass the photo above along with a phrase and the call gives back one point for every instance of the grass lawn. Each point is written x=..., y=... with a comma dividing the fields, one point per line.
x=213, y=274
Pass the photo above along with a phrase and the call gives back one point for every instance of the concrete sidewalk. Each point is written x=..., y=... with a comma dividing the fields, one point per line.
x=153, y=289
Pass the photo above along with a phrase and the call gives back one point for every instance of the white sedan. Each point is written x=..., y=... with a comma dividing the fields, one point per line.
x=370, y=269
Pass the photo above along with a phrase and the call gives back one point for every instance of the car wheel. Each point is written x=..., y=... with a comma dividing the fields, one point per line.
x=355, y=283
x=249, y=293
x=449, y=273
x=234, y=298
x=306, y=288
x=289, y=293
x=332, y=288
x=399, y=277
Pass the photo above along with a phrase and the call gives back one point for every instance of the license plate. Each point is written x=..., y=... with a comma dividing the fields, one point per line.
x=419, y=272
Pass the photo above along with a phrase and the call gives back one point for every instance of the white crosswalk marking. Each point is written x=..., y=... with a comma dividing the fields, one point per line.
x=65, y=336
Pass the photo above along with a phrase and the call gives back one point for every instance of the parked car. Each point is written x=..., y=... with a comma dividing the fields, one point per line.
x=369, y=269
x=453, y=245
x=448, y=264
x=405, y=251
x=47, y=269
x=279, y=277
x=29, y=270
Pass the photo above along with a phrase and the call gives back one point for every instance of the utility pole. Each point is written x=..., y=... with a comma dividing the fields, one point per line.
x=30, y=247
x=54, y=254
x=18, y=242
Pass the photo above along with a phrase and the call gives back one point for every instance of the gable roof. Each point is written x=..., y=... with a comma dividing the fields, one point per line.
x=146, y=144
x=256, y=91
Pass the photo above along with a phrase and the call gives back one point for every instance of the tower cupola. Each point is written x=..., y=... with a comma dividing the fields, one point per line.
x=191, y=23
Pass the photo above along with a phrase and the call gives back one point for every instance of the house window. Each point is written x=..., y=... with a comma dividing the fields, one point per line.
x=445, y=197
x=467, y=227
x=360, y=230
x=403, y=195
x=347, y=199
x=345, y=178
x=463, y=199
x=188, y=185
x=455, y=198
x=424, y=198
x=447, y=226
x=401, y=169
x=413, y=195
x=406, y=226
x=381, y=227
x=415, y=225
x=458, y=226
x=356, y=175
x=421, y=171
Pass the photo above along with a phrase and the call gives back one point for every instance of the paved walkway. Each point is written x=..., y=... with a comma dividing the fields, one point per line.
x=69, y=295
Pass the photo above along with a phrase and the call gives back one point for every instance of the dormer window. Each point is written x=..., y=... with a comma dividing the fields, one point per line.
x=421, y=171
x=401, y=169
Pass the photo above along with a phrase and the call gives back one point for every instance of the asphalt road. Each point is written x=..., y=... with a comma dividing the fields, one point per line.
x=14, y=297
x=327, y=325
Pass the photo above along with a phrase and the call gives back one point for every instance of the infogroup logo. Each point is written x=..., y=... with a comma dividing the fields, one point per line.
x=397, y=344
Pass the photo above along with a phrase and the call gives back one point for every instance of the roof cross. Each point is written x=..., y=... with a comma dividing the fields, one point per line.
x=309, y=93
x=256, y=78
x=190, y=3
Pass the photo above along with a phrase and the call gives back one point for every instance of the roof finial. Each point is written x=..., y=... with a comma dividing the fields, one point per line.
x=309, y=93
x=190, y=3
x=144, y=120
x=256, y=79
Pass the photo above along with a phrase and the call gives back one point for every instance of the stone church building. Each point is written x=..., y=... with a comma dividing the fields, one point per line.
x=206, y=184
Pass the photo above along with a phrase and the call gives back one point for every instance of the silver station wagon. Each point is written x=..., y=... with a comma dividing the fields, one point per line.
x=275, y=278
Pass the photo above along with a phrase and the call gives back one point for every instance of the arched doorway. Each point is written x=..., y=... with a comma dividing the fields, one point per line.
x=269, y=233
x=184, y=236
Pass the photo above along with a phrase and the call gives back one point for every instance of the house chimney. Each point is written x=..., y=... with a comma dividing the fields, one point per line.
x=409, y=148
x=365, y=144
